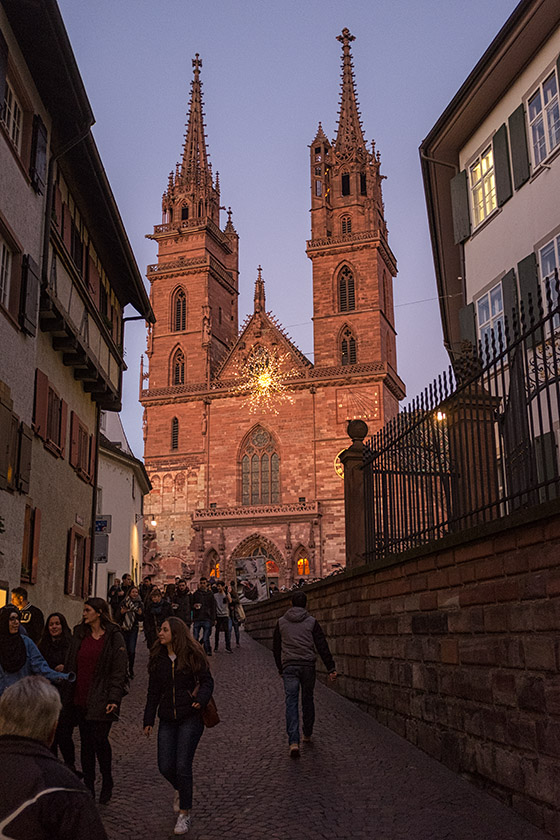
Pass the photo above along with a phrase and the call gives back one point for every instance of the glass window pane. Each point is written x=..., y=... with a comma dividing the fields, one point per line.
x=496, y=301
x=483, y=310
x=553, y=119
x=535, y=106
x=549, y=88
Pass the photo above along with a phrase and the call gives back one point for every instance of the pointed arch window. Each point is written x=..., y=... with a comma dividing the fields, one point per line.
x=346, y=290
x=346, y=224
x=179, y=309
x=260, y=469
x=348, y=348
x=345, y=183
x=178, y=368
x=174, y=433
x=184, y=213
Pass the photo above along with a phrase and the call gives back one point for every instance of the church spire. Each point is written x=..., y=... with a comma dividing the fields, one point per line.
x=350, y=138
x=195, y=169
x=260, y=303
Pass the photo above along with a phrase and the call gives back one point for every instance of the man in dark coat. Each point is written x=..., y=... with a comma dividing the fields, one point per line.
x=41, y=798
x=182, y=602
x=204, y=614
x=297, y=640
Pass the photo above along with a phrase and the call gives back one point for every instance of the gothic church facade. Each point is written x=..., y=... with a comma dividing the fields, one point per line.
x=241, y=430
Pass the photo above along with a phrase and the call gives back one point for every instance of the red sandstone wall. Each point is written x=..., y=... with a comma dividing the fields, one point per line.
x=459, y=652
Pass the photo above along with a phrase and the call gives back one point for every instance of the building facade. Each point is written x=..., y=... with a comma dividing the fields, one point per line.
x=66, y=273
x=242, y=432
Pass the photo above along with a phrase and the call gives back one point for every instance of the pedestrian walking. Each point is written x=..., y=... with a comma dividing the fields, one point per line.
x=32, y=618
x=54, y=646
x=41, y=798
x=19, y=655
x=223, y=601
x=236, y=612
x=182, y=602
x=204, y=614
x=297, y=639
x=115, y=596
x=131, y=612
x=169, y=593
x=156, y=610
x=146, y=586
x=180, y=686
x=97, y=654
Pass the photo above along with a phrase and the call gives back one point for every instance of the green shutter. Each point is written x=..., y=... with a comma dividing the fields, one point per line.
x=519, y=148
x=467, y=324
x=509, y=294
x=500, y=148
x=460, y=207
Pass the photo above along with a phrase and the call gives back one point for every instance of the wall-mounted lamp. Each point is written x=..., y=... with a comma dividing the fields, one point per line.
x=140, y=516
x=172, y=536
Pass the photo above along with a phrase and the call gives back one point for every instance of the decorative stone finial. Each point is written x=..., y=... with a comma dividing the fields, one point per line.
x=357, y=430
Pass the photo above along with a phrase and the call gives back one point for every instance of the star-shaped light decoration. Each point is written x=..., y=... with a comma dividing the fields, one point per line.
x=263, y=376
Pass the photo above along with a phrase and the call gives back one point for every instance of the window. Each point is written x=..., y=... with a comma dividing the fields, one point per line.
x=345, y=181
x=12, y=116
x=76, y=581
x=318, y=154
x=549, y=258
x=346, y=293
x=54, y=418
x=348, y=348
x=5, y=272
x=84, y=444
x=49, y=415
x=178, y=368
x=363, y=183
x=490, y=317
x=346, y=224
x=179, y=311
x=318, y=188
x=544, y=119
x=483, y=186
x=302, y=566
x=81, y=448
x=318, y=170
x=260, y=470
x=174, y=433
x=184, y=213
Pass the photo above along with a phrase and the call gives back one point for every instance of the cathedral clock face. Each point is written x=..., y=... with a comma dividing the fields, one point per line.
x=338, y=465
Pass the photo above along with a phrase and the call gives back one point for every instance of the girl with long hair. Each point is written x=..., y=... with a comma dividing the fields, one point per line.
x=54, y=645
x=131, y=611
x=97, y=654
x=180, y=685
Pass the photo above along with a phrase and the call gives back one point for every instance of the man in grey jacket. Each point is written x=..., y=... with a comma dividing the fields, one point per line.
x=298, y=638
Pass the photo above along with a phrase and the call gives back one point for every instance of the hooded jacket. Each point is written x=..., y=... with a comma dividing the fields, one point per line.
x=42, y=799
x=298, y=638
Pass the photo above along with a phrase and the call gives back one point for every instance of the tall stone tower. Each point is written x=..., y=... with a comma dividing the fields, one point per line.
x=353, y=266
x=195, y=282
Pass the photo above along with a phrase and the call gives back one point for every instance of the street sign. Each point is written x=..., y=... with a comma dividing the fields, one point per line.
x=103, y=524
x=101, y=548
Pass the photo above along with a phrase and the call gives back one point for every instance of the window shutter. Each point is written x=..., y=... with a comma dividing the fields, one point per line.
x=460, y=207
x=41, y=404
x=91, y=459
x=38, y=168
x=63, y=424
x=29, y=295
x=68, y=577
x=3, y=70
x=87, y=567
x=35, y=545
x=500, y=148
x=519, y=149
x=529, y=291
x=5, y=427
x=509, y=292
x=74, y=427
x=24, y=458
x=57, y=207
x=93, y=280
x=67, y=226
x=467, y=324
x=547, y=464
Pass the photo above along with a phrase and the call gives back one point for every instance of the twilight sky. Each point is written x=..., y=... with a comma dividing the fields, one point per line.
x=271, y=72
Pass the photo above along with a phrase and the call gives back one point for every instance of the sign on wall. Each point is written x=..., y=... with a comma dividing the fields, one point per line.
x=103, y=524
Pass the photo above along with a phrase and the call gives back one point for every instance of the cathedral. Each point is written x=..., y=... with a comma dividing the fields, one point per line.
x=242, y=432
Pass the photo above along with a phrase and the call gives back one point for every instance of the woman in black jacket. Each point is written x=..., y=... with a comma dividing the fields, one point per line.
x=97, y=654
x=180, y=686
x=54, y=645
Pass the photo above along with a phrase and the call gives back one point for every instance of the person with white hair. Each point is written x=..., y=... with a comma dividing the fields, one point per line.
x=41, y=798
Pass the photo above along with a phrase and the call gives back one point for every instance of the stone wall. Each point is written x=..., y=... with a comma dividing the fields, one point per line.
x=458, y=650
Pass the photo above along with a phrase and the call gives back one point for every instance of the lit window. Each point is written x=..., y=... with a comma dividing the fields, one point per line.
x=346, y=291
x=483, y=186
x=490, y=317
x=12, y=116
x=260, y=470
x=5, y=272
x=303, y=566
x=544, y=119
x=348, y=348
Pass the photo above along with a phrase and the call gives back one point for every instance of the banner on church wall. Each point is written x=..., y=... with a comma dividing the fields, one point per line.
x=252, y=583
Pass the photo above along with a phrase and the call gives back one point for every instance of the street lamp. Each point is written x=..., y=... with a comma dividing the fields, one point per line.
x=140, y=516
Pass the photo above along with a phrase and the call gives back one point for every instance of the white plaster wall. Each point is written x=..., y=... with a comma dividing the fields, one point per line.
x=532, y=214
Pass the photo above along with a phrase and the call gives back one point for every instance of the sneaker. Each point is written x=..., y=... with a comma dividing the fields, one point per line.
x=229, y=650
x=294, y=750
x=183, y=824
x=176, y=807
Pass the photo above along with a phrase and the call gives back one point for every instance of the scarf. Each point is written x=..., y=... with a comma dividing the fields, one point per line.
x=130, y=617
x=13, y=653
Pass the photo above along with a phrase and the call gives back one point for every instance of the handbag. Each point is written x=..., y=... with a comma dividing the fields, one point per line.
x=210, y=716
x=240, y=612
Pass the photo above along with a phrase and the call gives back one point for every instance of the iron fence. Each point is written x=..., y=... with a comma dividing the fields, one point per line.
x=478, y=444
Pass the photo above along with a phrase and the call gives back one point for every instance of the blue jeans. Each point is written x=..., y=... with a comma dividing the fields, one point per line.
x=234, y=624
x=130, y=639
x=206, y=626
x=177, y=743
x=295, y=676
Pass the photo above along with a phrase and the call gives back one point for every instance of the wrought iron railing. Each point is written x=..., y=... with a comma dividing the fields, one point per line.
x=480, y=443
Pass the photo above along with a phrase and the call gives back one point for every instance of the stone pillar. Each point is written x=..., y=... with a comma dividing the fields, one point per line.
x=354, y=507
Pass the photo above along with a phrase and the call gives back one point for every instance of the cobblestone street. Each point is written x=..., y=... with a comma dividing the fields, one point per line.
x=357, y=780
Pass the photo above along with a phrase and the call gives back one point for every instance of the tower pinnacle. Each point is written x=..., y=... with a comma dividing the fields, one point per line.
x=195, y=169
x=260, y=303
x=349, y=141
